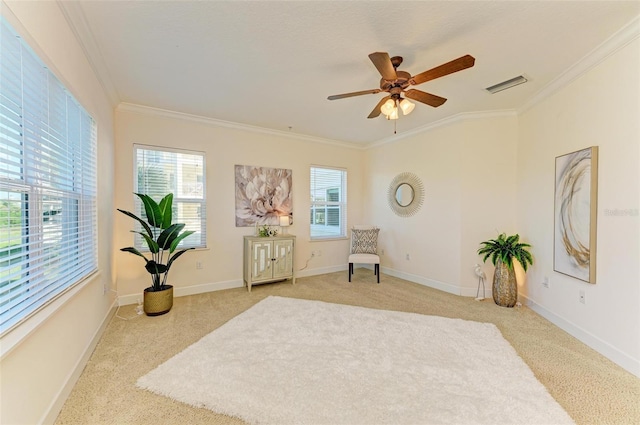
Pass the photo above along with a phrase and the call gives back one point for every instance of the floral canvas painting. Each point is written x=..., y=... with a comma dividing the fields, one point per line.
x=575, y=214
x=262, y=195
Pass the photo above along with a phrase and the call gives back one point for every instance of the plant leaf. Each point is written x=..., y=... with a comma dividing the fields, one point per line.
x=165, y=210
x=513, y=239
x=153, y=245
x=151, y=209
x=155, y=268
x=132, y=250
x=169, y=234
x=144, y=223
x=177, y=240
x=494, y=257
x=176, y=255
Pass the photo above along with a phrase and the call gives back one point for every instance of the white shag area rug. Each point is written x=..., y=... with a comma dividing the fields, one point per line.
x=291, y=361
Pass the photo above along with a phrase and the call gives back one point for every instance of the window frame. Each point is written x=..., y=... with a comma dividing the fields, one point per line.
x=202, y=203
x=48, y=160
x=322, y=210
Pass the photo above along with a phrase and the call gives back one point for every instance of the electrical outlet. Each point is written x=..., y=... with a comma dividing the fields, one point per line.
x=545, y=282
x=199, y=265
x=382, y=252
x=408, y=257
x=319, y=253
x=582, y=297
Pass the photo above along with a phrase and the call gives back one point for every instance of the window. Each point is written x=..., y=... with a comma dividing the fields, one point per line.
x=328, y=203
x=48, y=237
x=160, y=171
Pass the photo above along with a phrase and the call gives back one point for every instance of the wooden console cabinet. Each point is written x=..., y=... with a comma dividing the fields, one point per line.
x=268, y=259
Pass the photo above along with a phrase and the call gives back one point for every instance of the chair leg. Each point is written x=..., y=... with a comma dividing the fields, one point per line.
x=377, y=271
x=350, y=271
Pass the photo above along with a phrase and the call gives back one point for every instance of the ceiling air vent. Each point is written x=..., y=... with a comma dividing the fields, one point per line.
x=506, y=84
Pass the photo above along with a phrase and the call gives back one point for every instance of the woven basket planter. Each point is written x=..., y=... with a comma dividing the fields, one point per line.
x=505, y=288
x=157, y=303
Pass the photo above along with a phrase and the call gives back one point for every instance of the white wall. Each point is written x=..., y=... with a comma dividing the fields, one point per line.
x=38, y=368
x=467, y=166
x=601, y=108
x=225, y=146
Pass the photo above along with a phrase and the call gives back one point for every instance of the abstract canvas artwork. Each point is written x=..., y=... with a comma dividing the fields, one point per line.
x=263, y=195
x=575, y=214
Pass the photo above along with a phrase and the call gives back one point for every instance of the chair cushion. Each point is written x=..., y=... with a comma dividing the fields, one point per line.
x=364, y=259
x=364, y=241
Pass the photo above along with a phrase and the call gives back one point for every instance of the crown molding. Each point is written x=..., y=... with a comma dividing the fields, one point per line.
x=617, y=41
x=72, y=12
x=74, y=15
x=148, y=110
x=465, y=116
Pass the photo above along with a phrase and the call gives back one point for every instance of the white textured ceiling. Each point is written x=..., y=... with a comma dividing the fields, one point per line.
x=272, y=64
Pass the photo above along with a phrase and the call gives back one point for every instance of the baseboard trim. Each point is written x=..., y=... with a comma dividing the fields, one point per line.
x=187, y=290
x=56, y=405
x=431, y=283
x=208, y=287
x=321, y=270
x=219, y=286
x=467, y=291
x=239, y=283
x=621, y=359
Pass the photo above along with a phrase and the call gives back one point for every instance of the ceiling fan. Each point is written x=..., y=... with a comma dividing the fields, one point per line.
x=396, y=82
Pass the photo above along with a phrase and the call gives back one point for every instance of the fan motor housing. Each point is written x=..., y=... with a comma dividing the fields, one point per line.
x=402, y=81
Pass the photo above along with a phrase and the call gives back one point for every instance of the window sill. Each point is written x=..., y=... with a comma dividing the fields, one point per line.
x=21, y=331
x=336, y=238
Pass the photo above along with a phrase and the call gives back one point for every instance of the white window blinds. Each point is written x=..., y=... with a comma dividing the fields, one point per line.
x=48, y=239
x=328, y=191
x=159, y=171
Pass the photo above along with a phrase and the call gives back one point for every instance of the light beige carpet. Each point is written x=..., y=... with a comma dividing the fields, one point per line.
x=589, y=387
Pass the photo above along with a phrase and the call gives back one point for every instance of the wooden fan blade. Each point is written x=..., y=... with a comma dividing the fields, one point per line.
x=455, y=65
x=427, y=98
x=376, y=111
x=383, y=64
x=355, y=93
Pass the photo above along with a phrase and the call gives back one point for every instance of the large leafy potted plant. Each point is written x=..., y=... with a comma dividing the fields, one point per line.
x=502, y=252
x=162, y=238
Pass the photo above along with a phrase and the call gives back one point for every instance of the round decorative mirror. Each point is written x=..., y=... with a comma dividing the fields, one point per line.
x=406, y=194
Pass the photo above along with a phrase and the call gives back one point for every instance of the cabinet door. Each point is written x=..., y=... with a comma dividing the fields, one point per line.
x=261, y=256
x=283, y=254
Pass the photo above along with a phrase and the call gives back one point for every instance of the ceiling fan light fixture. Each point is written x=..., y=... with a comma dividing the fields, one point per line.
x=393, y=115
x=407, y=106
x=388, y=106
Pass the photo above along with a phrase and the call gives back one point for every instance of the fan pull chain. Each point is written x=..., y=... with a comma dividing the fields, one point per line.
x=395, y=122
